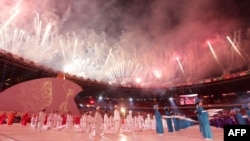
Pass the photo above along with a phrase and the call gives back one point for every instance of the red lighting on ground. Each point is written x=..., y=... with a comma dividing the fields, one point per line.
x=92, y=101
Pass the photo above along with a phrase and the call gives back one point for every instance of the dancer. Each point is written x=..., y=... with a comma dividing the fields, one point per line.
x=83, y=122
x=24, y=119
x=69, y=120
x=202, y=116
x=89, y=121
x=51, y=119
x=3, y=118
x=106, y=121
x=117, y=119
x=11, y=118
x=239, y=117
x=176, y=122
x=148, y=122
x=169, y=119
x=248, y=111
x=98, y=120
x=34, y=120
x=158, y=119
x=130, y=121
x=41, y=119
x=140, y=121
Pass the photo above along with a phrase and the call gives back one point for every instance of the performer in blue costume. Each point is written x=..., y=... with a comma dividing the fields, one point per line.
x=202, y=116
x=176, y=123
x=158, y=119
x=168, y=120
x=248, y=111
x=239, y=117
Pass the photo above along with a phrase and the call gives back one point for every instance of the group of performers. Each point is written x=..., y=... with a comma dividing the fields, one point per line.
x=235, y=116
x=11, y=118
x=115, y=123
x=98, y=122
x=176, y=123
x=173, y=121
x=204, y=121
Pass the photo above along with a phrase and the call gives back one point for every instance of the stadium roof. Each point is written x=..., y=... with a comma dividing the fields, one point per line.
x=15, y=70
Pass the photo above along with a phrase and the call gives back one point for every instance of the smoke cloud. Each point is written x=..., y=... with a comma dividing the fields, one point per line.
x=151, y=35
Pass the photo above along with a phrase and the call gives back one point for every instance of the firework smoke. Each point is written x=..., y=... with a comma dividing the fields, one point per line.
x=118, y=41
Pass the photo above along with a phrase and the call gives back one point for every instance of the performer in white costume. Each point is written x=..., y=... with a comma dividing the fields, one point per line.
x=83, y=122
x=89, y=122
x=57, y=121
x=130, y=121
x=50, y=119
x=136, y=123
x=98, y=120
x=153, y=121
x=140, y=121
x=106, y=121
x=111, y=122
x=148, y=122
x=41, y=119
x=117, y=119
x=34, y=120
x=69, y=120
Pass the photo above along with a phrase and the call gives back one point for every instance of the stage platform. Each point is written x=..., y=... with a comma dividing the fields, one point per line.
x=17, y=132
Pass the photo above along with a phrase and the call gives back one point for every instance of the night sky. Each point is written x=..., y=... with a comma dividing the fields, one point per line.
x=157, y=17
x=148, y=32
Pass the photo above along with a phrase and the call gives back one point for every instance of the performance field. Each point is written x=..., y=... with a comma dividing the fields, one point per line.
x=17, y=132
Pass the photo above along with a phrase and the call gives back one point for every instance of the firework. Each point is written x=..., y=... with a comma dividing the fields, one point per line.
x=94, y=55
x=180, y=65
x=236, y=49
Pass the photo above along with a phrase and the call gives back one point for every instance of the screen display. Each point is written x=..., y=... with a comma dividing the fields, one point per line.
x=188, y=99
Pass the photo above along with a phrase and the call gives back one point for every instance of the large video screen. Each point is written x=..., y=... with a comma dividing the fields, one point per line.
x=188, y=99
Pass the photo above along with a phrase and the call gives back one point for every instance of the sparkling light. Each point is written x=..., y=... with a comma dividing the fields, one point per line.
x=235, y=48
x=138, y=80
x=158, y=74
x=123, y=61
x=212, y=51
x=123, y=110
x=214, y=54
x=180, y=65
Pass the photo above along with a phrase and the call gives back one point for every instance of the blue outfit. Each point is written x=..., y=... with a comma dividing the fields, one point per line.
x=204, y=122
x=159, y=125
x=176, y=124
x=169, y=121
x=248, y=113
x=240, y=119
x=185, y=123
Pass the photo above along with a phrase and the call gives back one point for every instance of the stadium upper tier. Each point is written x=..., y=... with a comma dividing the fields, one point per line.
x=15, y=69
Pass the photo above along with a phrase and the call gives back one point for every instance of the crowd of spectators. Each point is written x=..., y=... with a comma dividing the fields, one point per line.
x=31, y=64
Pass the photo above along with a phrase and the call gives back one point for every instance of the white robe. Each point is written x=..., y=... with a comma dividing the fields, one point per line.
x=117, y=119
x=98, y=120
